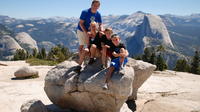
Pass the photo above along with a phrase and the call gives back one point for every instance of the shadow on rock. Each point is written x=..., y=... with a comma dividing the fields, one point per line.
x=131, y=105
x=24, y=78
x=54, y=108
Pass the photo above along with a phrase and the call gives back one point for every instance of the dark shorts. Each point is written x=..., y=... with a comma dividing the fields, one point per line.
x=98, y=47
x=116, y=63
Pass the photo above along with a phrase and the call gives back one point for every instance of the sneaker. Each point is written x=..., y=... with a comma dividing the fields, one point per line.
x=78, y=69
x=91, y=61
x=103, y=66
x=105, y=86
x=121, y=71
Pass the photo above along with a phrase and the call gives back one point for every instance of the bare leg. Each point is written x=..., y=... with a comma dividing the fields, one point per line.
x=103, y=57
x=109, y=74
x=121, y=61
x=80, y=50
x=83, y=55
x=92, y=54
x=92, y=50
x=122, y=50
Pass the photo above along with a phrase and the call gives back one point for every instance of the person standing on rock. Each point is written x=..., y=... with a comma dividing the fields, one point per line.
x=87, y=16
x=118, y=58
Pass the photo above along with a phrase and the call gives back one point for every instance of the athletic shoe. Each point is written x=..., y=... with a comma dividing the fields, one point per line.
x=78, y=69
x=105, y=86
x=91, y=61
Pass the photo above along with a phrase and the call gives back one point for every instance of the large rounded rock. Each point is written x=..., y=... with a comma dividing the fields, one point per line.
x=83, y=92
x=26, y=41
x=8, y=47
x=25, y=72
x=33, y=106
x=143, y=71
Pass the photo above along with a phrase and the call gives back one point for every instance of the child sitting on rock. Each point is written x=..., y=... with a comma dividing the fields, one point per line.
x=106, y=44
x=118, y=58
x=93, y=48
x=94, y=42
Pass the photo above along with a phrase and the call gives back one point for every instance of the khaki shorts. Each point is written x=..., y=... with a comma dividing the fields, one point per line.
x=81, y=37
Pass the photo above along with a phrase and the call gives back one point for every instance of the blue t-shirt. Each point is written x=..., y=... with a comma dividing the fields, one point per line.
x=88, y=17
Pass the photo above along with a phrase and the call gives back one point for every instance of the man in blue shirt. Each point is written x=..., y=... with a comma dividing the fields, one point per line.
x=87, y=16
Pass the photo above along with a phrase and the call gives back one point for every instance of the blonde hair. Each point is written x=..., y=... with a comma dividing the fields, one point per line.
x=93, y=23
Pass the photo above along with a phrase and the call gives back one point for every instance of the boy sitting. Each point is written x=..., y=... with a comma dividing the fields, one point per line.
x=118, y=58
x=106, y=44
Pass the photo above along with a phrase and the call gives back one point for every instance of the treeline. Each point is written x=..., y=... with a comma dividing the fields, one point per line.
x=193, y=67
x=154, y=56
x=57, y=54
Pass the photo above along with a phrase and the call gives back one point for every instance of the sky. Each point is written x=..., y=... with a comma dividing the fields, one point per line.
x=25, y=9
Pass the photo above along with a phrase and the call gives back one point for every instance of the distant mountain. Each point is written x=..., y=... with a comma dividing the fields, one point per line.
x=8, y=46
x=124, y=25
x=26, y=41
x=4, y=30
x=56, y=30
x=10, y=42
x=179, y=34
x=184, y=32
x=152, y=32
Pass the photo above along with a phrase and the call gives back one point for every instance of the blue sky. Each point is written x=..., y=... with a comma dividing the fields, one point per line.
x=72, y=8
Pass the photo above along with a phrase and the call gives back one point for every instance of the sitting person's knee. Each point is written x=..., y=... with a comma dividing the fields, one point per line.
x=122, y=50
x=85, y=51
x=93, y=46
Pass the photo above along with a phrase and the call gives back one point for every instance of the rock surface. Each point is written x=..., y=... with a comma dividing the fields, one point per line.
x=143, y=71
x=47, y=45
x=26, y=41
x=165, y=91
x=26, y=72
x=151, y=32
x=8, y=46
x=33, y=106
x=170, y=91
x=85, y=91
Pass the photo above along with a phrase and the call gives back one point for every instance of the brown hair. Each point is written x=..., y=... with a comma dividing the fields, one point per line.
x=95, y=1
x=115, y=36
x=109, y=29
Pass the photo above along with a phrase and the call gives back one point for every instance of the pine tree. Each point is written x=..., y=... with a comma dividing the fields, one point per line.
x=153, y=58
x=66, y=52
x=195, y=63
x=59, y=53
x=39, y=55
x=138, y=58
x=198, y=70
x=35, y=53
x=160, y=63
x=20, y=54
x=160, y=48
x=27, y=55
x=146, y=56
x=43, y=53
x=182, y=66
x=60, y=57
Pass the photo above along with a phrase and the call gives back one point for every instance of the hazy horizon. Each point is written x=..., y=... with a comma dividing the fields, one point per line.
x=25, y=9
x=102, y=15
